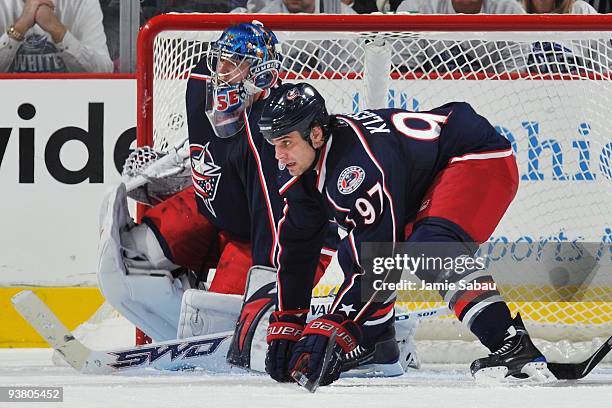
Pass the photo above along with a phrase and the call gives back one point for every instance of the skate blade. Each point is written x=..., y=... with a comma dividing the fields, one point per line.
x=535, y=371
x=375, y=370
x=491, y=374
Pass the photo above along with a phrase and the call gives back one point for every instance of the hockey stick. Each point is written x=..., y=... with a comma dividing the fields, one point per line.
x=312, y=384
x=207, y=351
x=404, y=318
x=201, y=351
x=575, y=371
x=562, y=371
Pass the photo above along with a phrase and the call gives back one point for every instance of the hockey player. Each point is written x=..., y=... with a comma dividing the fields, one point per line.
x=389, y=175
x=227, y=219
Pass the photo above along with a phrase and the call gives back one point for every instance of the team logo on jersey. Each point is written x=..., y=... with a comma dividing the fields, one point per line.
x=350, y=179
x=292, y=94
x=347, y=309
x=205, y=174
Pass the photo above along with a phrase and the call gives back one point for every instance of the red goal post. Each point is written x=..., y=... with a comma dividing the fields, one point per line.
x=543, y=80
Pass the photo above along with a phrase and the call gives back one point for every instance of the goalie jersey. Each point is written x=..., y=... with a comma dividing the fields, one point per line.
x=371, y=177
x=231, y=176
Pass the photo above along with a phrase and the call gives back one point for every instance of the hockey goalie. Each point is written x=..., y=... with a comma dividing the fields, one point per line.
x=212, y=208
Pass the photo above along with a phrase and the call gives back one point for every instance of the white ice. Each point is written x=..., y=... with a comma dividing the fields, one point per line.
x=433, y=386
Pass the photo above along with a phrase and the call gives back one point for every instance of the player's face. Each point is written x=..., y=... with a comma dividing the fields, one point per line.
x=232, y=71
x=293, y=152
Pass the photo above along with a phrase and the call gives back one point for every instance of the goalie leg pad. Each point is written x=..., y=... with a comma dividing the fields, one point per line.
x=205, y=312
x=142, y=252
x=248, y=348
x=148, y=297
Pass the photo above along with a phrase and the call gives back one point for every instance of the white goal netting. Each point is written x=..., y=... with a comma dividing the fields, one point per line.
x=549, y=91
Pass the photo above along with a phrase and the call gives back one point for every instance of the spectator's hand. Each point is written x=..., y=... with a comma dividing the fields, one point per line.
x=48, y=21
x=28, y=16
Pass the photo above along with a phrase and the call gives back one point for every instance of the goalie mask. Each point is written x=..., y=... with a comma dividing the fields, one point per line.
x=243, y=62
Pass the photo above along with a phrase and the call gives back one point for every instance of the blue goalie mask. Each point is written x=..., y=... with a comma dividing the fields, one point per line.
x=243, y=62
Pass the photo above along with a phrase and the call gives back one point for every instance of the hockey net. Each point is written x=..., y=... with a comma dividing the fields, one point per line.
x=543, y=81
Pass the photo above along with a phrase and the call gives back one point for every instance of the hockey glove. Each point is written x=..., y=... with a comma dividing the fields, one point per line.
x=284, y=331
x=308, y=353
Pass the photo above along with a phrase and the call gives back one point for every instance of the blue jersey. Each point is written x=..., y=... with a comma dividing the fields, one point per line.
x=372, y=175
x=234, y=180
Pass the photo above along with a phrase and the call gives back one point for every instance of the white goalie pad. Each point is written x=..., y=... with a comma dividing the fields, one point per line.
x=140, y=288
x=406, y=326
x=205, y=312
x=258, y=278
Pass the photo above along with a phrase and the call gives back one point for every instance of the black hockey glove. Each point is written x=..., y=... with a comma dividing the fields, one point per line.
x=308, y=353
x=284, y=331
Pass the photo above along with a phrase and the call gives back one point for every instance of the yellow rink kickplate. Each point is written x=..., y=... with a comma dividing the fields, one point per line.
x=73, y=306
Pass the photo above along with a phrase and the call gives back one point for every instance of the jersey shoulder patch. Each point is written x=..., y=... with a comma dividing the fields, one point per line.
x=350, y=179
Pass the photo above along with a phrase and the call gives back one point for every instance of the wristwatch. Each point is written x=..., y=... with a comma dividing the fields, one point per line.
x=14, y=34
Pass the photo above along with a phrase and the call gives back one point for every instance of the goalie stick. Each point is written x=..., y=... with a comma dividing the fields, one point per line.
x=202, y=351
x=206, y=351
x=199, y=351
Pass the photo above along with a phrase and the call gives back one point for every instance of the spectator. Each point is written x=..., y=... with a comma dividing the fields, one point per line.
x=295, y=6
x=465, y=56
x=361, y=6
x=387, y=6
x=602, y=6
x=569, y=56
x=52, y=36
x=558, y=7
x=111, y=13
x=321, y=55
x=461, y=6
x=152, y=8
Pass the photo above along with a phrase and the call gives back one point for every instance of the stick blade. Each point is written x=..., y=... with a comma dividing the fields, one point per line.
x=312, y=384
x=46, y=323
x=569, y=371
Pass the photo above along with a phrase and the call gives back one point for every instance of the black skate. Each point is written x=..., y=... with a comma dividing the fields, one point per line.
x=517, y=357
x=381, y=360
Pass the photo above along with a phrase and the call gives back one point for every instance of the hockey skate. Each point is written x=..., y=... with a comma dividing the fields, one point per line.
x=517, y=357
x=382, y=359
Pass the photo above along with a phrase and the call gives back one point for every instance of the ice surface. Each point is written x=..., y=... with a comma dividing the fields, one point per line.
x=434, y=386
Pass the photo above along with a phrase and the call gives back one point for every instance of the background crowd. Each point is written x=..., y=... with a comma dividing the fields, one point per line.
x=54, y=36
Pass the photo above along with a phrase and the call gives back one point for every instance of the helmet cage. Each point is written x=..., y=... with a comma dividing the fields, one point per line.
x=227, y=108
x=243, y=62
